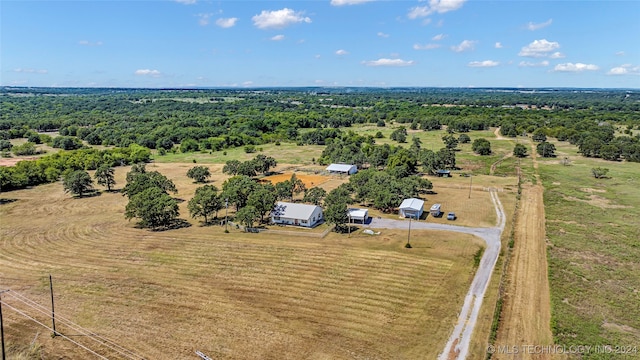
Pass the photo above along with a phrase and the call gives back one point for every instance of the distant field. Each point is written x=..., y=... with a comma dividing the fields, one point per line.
x=242, y=296
x=593, y=226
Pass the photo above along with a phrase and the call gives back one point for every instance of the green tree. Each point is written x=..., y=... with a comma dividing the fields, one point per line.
x=189, y=145
x=546, y=149
x=610, y=152
x=154, y=207
x=481, y=146
x=199, y=174
x=399, y=135
x=264, y=163
x=297, y=186
x=77, y=182
x=599, y=172
x=464, y=139
x=231, y=167
x=263, y=199
x=104, y=176
x=539, y=135
x=315, y=195
x=336, y=213
x=205, y=202
x=450, y=141
x=247, y=168
x=27, y=148
x=520, y=151
x=237, y=189
x=137, y=182
x=247, y=216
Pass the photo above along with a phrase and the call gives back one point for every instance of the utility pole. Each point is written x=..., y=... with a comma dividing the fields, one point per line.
x=53, y=313
x=226, y=211
x=349, y=215
x=470, y=183
x=2, y=326
x=408, y=244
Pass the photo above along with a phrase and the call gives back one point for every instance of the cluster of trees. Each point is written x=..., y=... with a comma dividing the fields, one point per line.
x=50, y=168
x=149, y=199
x=400, y=161
x=260, y=164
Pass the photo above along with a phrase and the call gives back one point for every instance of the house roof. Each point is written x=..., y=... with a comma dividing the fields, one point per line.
x=340, y=167
x=294, y=211
x=358, y=213
x=412, y=204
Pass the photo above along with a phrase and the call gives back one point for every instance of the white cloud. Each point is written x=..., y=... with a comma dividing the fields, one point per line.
x=147, y=72
x=435, y=6
x=539, y=48
x=226, y=22
x=203, y=19
x=577, y=67
x=348, y=2
x=626, y=69
x=498, y=45
x=89, y=43
x=383, y=35
x=186, y=2
x=486, y=63
x=388, y=62
x=247, y=83
x=278, y=19
x=556, y=55
x=438, y=37
x=277, y=38
x=31, y=71
x=425, y=46
x=620, y=53
x=342, y=52
x=464, y=46
x=533, y=27
x=530, y=64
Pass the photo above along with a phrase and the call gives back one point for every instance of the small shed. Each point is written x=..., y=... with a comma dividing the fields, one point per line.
x=359, y=215
x=443, y=173
x=296, y=214
x=342, y=169
x=412, y=208
x=435, y=210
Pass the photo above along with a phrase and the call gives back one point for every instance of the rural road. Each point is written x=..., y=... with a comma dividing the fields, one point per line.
x=457, y=346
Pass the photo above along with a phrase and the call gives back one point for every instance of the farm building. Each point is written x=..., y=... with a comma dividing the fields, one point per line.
x=443, y=173
x=358, y=215
x=342, y=169
x=411, y=207
x=296, y=214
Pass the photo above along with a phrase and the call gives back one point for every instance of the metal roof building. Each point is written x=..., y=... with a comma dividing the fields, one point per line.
x=342, y=169
x=296, y=214
x=412, y=207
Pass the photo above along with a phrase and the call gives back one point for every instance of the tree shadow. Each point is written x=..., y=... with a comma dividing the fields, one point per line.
x=88, y=195
x=175, y=224
x=7, y=201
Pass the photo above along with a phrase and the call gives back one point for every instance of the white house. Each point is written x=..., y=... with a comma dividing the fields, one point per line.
x=359, y=215
x=296, y=214
x=412, y=207
x=342, y=169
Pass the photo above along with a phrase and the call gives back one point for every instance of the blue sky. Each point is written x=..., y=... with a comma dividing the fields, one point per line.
x=441, y=43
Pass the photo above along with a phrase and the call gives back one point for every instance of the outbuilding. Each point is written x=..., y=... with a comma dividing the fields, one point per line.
x=342, y=169
x=358, y=215
x=412, y=208
x=435, y=210
x=297, y=214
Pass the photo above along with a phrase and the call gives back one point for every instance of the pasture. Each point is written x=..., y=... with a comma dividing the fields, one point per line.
x=164, y=295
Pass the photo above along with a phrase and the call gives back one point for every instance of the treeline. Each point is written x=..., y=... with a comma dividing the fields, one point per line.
x=51, y=167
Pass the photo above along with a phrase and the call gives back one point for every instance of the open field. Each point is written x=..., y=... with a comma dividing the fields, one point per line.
x=593, y=229
x=308, y=180
x=164, y=295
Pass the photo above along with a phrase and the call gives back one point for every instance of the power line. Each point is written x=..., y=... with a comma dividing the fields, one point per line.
x=83, y=331
x=45, y=326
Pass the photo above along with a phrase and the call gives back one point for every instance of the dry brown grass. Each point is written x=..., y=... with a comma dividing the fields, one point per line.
x=235, y=296
x=308, y=180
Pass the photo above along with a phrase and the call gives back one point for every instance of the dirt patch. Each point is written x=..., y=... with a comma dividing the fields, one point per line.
x=527, y=312
x=591, y=191
x=598, y=201
x=13, y=161
x=308, y=180
x=621, y=328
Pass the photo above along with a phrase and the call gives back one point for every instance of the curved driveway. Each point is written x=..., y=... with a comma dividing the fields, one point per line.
x=457, y=346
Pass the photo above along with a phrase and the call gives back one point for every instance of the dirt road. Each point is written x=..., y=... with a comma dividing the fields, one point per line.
x=526, y=316
x=457, y=346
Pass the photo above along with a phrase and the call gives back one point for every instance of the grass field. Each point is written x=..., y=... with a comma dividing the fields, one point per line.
x=240, y=296
x=593, y=228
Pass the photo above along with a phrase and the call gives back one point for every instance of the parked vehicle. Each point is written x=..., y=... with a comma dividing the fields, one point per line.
x=451, y=216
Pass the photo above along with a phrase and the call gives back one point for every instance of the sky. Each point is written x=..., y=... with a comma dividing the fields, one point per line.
x=262, y=43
